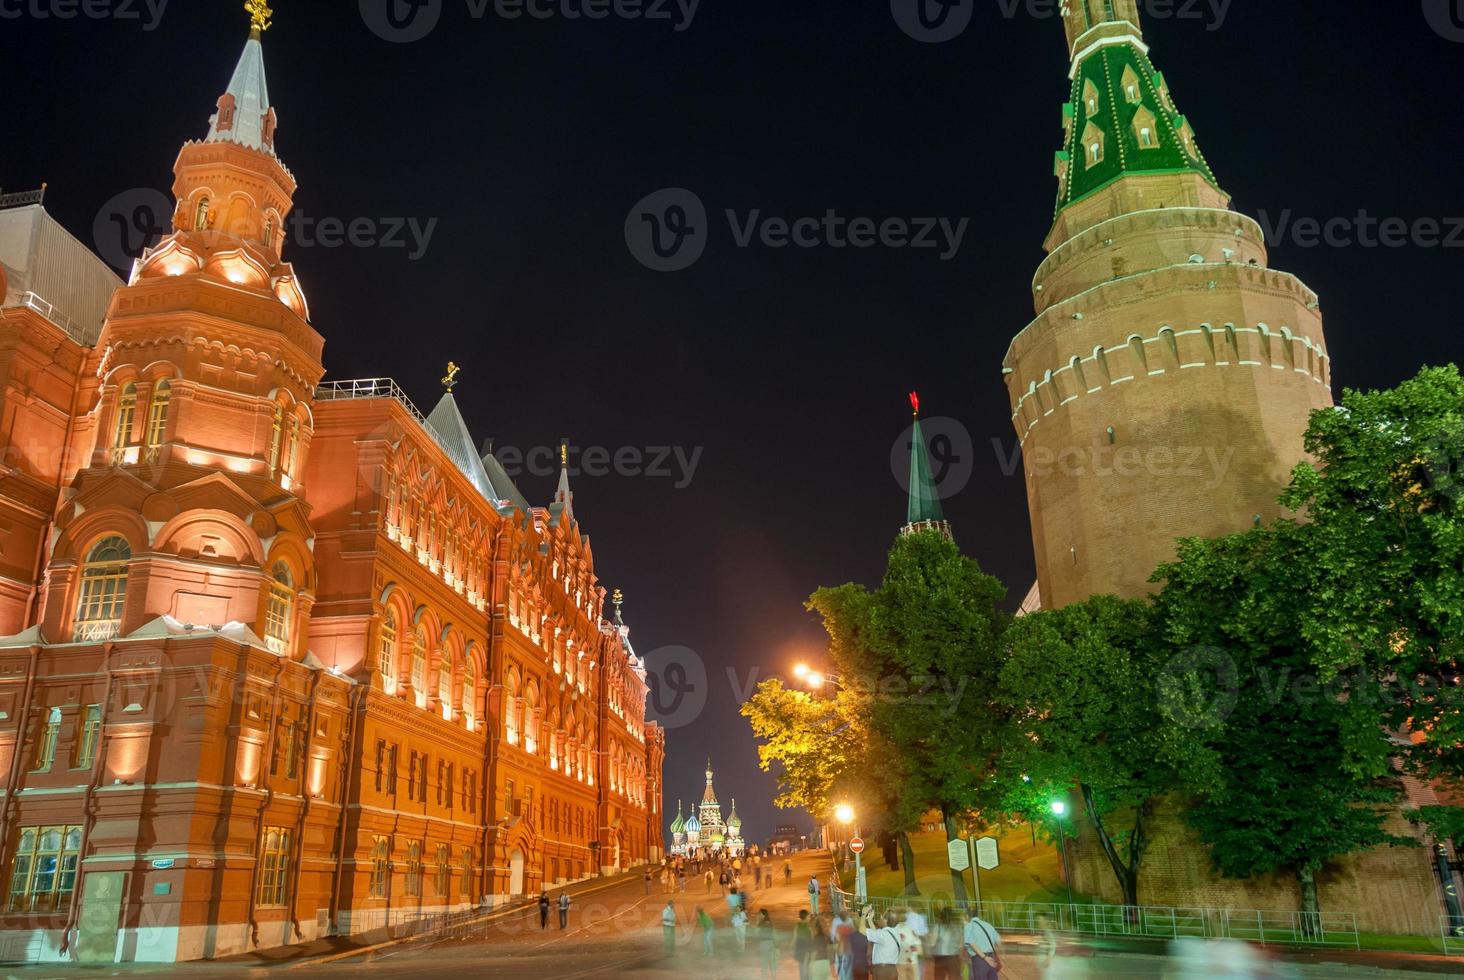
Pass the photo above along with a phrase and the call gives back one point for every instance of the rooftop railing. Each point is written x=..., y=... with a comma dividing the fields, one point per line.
x=341, y=391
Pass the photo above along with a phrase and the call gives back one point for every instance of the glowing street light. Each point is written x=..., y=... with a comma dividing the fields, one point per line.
x=800, y=670
x=1059, y=810
x=844, y=813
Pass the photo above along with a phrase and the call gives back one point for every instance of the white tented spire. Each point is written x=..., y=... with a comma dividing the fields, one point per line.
x=244, y=115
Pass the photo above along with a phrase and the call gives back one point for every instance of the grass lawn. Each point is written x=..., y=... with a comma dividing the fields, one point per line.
x=1028, y=872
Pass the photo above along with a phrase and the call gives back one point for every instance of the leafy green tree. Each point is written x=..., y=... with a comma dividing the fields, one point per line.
x=1303, y=774
x=807, y=738
x=920, y=655
x=1079, y=688
x=1382, y=562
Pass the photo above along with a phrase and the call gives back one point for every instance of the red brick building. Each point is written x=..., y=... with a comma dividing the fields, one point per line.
x=281, y=657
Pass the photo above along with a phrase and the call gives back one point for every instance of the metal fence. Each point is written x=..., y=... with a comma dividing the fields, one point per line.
x=1451, y=928
x=1145, y=921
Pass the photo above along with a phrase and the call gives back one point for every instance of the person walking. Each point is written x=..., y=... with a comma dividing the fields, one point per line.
x=983, y=944
x=767, y=942
x=787, y=872
x=648, y=880
x=668, y=927
x=813, y=894
x=681, y=881
x=707, y=927
x=911, y=933
x=543, y=910
x=945, y=953
x=739, y=928
x=884, y=949
x=818, y=959
x=563, y=909
x=735, y=900
x=802, y=944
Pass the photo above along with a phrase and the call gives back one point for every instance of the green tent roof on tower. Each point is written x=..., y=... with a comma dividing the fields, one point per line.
x=923, y=512
x=1121, y=119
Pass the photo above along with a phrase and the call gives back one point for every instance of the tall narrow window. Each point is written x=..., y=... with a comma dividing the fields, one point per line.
x=43, y=872
x=200, y=214
x=386, y=650
x=91, y=731
x=414, y=868
x=269, y=232
x=126, y=413
x=279, y=610
x=157, y=418
x=277, y=433
x=419, y=666
x=292, y=450
x=46, y=747
x=380, y=866
x=444, y=872
x=274, y=866
x=470, y=695
x=467, y=883
x=103, y=591
x=444, y=685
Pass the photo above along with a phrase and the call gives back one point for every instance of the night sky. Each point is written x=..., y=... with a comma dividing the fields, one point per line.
x=529, y=141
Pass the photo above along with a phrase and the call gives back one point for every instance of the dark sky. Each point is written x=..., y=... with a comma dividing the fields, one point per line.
x=529, y=141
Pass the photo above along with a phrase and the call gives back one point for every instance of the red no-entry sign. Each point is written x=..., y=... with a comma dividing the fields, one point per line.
x=856, y=844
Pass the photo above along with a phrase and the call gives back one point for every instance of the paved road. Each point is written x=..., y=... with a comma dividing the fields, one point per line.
x=616, y=932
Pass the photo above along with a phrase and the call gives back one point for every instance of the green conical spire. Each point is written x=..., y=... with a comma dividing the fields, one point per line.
x=1121, y=119
x=923, y=510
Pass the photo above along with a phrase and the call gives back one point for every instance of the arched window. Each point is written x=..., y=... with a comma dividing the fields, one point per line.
x=386, y=650
x=269, y=231
x=511, y=709
x=157, y=418
x=419, y=665
x=292, y=449
x=279, y=610
x=103, y=590
x=275, y=438
x=444, y=685
x=469, y=695
x=200, y=214
x=126, y=412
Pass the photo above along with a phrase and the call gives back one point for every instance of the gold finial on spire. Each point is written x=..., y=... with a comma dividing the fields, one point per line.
x=449, y=381
x=259, y=16
x=564, y=454
x=617, y=597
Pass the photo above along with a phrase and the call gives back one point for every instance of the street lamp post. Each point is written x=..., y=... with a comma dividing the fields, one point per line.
x=1059, y=810
x=844, y=813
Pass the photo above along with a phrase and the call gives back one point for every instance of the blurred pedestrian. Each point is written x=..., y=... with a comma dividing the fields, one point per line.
x=813, y=894
x=739, y=928
x=802, y=944
x=767, y=942
x=668, y=926
x=911, y=944
x=543, y=910
x=884, y=948
x=563, y=909
x=818, y=959
x=982, y=944
x=707, y=927
x=648, y=880
x=945, y=949
x=787, y=872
